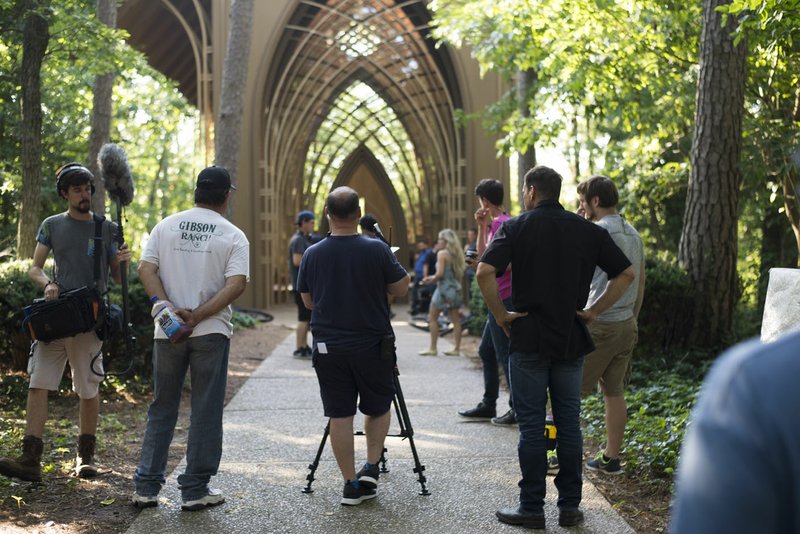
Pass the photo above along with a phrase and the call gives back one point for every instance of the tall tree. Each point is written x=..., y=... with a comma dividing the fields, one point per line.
x=101, y=110
x=234, y=75
x=526, y=156
x=708, y=245
x=35, y=37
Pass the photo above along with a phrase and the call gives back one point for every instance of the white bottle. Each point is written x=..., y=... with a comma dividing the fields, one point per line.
x=169, y=322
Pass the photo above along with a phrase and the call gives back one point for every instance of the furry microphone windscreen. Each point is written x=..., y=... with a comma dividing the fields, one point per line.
x=116, y=173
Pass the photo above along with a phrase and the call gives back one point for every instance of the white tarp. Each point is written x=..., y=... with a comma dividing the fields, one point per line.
x=782, y=307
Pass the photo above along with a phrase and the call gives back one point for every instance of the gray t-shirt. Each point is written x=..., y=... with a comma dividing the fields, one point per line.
x=297, y=245
x=628, y=240
x=72, y=243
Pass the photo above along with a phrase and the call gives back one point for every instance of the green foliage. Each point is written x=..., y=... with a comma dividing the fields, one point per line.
x=242, y=320
x=15, y=346
x=658, y=415
x=116, y=358
x=152, y=121
x=664, y=318
x=19, y=291
x=477, y=309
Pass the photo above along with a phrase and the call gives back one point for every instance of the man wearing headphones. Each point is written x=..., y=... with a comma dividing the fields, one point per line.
x=70, y=235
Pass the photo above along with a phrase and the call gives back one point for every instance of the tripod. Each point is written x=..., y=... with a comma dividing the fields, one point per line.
x=406, y=431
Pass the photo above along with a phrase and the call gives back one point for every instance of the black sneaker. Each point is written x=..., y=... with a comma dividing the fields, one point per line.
x=507, y=419
x=368, y=476
x=303, y=353
x=352, y=495
x=604, y=464
x=570, y=518
x=481, y=411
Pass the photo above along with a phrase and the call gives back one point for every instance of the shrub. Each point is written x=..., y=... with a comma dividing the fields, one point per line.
x=658, y=415
x=18, y=292
x=664, y=321
x=477, y=309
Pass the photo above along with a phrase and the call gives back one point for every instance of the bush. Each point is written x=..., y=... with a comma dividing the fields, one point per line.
x=18, y=292
x=477, y=309
x=116, y=357
x=664, y=321
x=658, y=415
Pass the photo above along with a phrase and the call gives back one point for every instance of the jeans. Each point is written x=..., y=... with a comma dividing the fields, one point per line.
x=531, y=377
x=493, y=351
x=206, y=357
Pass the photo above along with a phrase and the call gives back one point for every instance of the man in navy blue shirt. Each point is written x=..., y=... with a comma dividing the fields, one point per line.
x=344, y=280
x=740, y=462
x=554, y=253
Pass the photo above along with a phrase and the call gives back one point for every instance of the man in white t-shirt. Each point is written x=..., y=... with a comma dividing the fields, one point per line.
x=198, y=262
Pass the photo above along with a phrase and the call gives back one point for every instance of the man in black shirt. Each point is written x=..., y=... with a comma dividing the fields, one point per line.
x=554, y=253
x=344, y=280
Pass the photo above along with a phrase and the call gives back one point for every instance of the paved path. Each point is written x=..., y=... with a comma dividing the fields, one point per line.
x=273, y=427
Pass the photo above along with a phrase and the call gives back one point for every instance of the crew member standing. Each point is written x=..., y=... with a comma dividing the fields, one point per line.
x=300, y=241
x=344, y=280
x=200, y=263
x=554, y=254
x=70, y=235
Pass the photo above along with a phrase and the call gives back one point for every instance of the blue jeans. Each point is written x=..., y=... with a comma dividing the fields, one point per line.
x=493, y=351
x=206, y=357
x=531, y=377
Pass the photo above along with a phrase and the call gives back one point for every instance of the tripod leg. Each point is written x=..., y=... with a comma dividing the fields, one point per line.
x=313, y=466
x=408, y=431
x=382, y=461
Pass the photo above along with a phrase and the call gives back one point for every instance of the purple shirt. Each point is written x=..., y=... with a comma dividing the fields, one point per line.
x=503, y=281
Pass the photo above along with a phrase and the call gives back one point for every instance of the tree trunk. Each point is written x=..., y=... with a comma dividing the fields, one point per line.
x=101, y=111
x=35, y=36
x=234, y=77
x=708, y=245
x=526, y=160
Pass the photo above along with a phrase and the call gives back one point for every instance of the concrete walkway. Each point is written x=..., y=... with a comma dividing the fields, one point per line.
x=273, y=428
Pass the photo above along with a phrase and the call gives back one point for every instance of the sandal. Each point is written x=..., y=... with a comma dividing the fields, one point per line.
x=428, y=352
x=452, y=353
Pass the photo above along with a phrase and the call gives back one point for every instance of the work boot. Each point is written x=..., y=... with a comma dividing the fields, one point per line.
x=28, y=465
x=84, y=467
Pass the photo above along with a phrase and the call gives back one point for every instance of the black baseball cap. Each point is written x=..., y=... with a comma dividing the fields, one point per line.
x=214, y=178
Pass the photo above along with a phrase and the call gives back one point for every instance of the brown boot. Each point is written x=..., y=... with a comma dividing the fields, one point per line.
x=28, y=465
x=84, y=467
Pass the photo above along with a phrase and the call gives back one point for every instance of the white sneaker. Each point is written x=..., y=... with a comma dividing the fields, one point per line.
x=144, y=501
x=214, y=497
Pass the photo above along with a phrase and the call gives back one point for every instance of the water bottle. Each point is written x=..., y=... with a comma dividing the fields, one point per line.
x=169, y=322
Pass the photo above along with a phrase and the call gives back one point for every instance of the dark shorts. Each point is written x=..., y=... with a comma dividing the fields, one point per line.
x=303, y=313
x=347, y=378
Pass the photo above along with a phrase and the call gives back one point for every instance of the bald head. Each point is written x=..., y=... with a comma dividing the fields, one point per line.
x=342, y=203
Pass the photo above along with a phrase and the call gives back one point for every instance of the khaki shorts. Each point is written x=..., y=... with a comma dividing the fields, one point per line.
x=610, y=363
x=46, y=366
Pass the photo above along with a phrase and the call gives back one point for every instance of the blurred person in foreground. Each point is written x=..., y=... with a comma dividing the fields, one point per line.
x=739, y=467
x=344, y=280
x=554, y=254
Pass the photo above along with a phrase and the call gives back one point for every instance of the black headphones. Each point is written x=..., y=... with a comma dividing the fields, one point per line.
x=70, y=169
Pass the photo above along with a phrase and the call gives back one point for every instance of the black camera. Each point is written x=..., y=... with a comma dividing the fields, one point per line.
x=471, y=256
